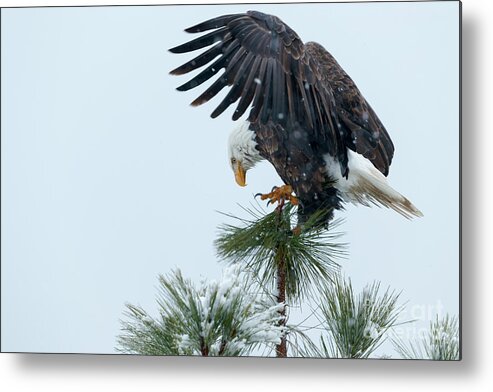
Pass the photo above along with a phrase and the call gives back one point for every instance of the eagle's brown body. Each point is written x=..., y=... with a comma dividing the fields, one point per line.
x=304, y=107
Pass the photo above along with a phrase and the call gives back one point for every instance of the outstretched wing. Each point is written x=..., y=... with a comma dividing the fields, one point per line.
x=363, y=130
x=285, y=82
x=268, y=68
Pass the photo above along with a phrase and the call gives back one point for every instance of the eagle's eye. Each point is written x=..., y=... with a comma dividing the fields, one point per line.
x=233, y=161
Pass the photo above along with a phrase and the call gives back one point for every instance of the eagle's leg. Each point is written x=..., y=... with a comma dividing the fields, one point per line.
x=296, y=230
x=280, y=194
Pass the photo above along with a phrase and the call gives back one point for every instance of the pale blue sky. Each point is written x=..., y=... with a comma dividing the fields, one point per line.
x=109, y=177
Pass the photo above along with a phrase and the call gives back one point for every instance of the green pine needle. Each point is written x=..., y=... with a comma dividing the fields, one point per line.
x=259, y=240
x=356, y=324
x=226, y=318
x=146, y=336
x=440, y=344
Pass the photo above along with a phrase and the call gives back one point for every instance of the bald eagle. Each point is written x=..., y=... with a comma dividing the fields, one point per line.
x=307, y=117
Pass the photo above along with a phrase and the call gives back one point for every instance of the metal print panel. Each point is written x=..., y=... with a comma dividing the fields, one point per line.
x=306, y=203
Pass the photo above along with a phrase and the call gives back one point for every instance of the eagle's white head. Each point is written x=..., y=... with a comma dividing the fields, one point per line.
x=242, y=151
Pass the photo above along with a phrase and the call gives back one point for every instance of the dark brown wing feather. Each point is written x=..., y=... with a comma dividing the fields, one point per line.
x=289, y=86
x=267, y=67
x=363, y=130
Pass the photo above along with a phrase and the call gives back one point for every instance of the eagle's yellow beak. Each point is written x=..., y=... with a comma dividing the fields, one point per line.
x=240, y=174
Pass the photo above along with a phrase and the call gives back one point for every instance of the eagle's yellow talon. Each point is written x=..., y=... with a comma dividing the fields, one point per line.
x=280, y=194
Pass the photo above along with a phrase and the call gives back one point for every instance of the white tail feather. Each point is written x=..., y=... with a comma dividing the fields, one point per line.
x=366, y=185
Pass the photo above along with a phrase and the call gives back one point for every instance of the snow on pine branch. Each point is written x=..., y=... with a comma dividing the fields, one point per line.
x=229, y=317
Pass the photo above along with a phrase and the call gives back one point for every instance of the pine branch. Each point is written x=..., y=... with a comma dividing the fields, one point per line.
x=227, y=318
x=440, y=344
x=145, y=335
x=356, y=324
x=290, y=261
x=255, y=242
